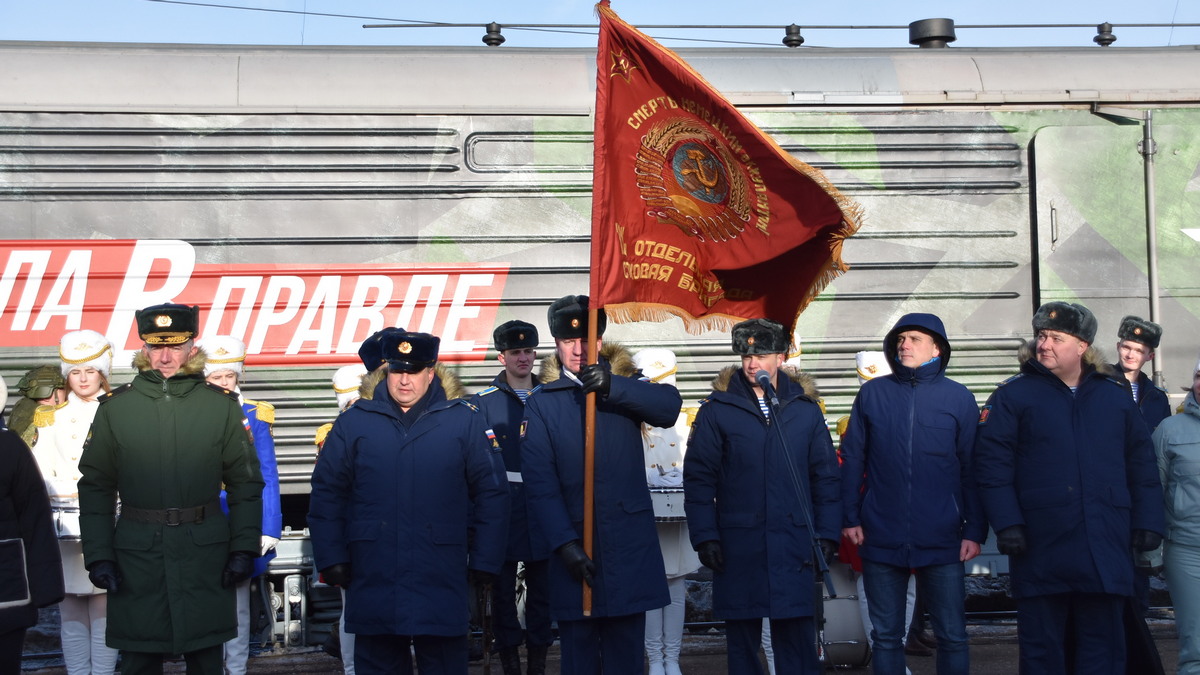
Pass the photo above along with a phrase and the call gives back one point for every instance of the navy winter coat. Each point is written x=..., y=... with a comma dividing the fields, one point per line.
x=738, y=490
x=1152, y=401
x=505, y=416
x=1077, y=470
x=410, y=510
x=906, y=461
x=630, y=577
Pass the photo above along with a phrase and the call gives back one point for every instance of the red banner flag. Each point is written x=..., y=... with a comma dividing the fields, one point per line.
x=696, y=212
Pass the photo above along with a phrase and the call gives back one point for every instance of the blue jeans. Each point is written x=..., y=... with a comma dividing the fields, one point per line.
x=942, y=589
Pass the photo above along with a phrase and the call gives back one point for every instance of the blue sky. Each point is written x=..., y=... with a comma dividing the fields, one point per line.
x=158, y=21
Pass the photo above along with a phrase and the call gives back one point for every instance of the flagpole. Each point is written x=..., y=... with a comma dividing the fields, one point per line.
x=589, y=455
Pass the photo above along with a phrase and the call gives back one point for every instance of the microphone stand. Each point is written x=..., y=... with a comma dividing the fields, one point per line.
x=769, y=393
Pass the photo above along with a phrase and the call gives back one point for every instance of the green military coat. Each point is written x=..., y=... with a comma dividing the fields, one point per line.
x=169, y=443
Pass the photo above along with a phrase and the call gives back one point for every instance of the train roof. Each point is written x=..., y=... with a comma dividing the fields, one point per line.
x=213, y=79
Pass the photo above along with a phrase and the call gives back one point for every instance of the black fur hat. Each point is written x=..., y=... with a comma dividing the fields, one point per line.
x=568, y=318
x=168, y=324
x=760, y=336
x=1066, y=317
x=1137, y=329
x=515, y=335
x=370, y=352
x=409, y=352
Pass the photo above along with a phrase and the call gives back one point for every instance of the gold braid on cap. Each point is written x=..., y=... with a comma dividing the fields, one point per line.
x=346, y=390
x=75, y=362
x=166, y=338
x=239, y=359
x=659, y=378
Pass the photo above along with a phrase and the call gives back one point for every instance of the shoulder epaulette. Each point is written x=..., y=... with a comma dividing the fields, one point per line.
x=467, y=403
x=691, y=414
x=44, y=416
x=702, y=402
x=222, y=390
x=263, y=410
x=489, y=390
x=821, y=405
x=115, y=392
x=322, y=432
x=1018, y=375
x=843, y=424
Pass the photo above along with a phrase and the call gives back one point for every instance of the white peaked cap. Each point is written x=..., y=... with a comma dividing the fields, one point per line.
x=85, y=348
x=871, y=365
x=346, y=381
x=222, y=352
x=3, y=393
x=657, y=364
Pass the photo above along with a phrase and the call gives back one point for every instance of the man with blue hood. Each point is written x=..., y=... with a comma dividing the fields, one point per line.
x=908, y=496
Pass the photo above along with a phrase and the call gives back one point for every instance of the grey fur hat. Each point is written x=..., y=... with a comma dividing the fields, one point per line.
x=1066, y=317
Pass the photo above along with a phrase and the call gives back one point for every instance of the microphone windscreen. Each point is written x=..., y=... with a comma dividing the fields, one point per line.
x=763, y=379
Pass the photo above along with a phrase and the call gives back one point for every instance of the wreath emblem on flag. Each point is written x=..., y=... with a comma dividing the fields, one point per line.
x=690, y=179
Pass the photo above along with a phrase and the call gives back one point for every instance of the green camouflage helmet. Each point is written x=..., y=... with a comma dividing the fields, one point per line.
x=41, y=382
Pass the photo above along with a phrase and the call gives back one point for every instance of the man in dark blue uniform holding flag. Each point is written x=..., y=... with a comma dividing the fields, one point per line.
x=503, y=405
x=625, y=569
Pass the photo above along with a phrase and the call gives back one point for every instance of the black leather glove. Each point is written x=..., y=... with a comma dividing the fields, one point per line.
x=829, y=549
x=711, y=555
x=337, y=575
x=104, y=574
x=1011, y=540
x=596, y=378
x=480, y=578
x=1145, y=540
x=578, y=563
x=238, y=568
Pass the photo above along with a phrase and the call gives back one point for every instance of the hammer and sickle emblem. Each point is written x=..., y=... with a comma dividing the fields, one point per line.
x=404, y=348
x=702, y=161
x=162, y=321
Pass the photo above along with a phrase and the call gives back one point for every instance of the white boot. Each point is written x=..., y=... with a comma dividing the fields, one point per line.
x=672, y=625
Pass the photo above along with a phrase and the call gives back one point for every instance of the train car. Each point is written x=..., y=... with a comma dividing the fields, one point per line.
x=306, y=196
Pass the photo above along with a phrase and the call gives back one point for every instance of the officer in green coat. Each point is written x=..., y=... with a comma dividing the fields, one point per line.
x=164, y=445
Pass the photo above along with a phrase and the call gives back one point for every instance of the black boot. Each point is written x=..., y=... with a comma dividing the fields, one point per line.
x=510, y=660
x=537, y=659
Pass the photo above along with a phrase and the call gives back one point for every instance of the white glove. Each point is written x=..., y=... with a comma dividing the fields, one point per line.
x=268, y=543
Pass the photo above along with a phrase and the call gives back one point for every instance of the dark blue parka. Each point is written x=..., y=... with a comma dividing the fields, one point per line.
x=1152, y=400
x=398, y=505
x=1077, y=470
x=505, y=416
x=738, y=491
x=906, y=460
x=630, y=577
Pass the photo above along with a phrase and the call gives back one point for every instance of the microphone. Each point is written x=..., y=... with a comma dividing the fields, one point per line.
x=764, y=382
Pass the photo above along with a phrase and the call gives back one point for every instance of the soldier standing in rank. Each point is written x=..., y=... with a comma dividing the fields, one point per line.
x=1067, y=475
x=664, y=449
x=347, y=386
x=225, y=359
x=625, y=570
x=1136, y=341
x=743, y=489
x=409, y=498
x=43, y=385
x=503, y=405
x=61, y=431
x=164, y=445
